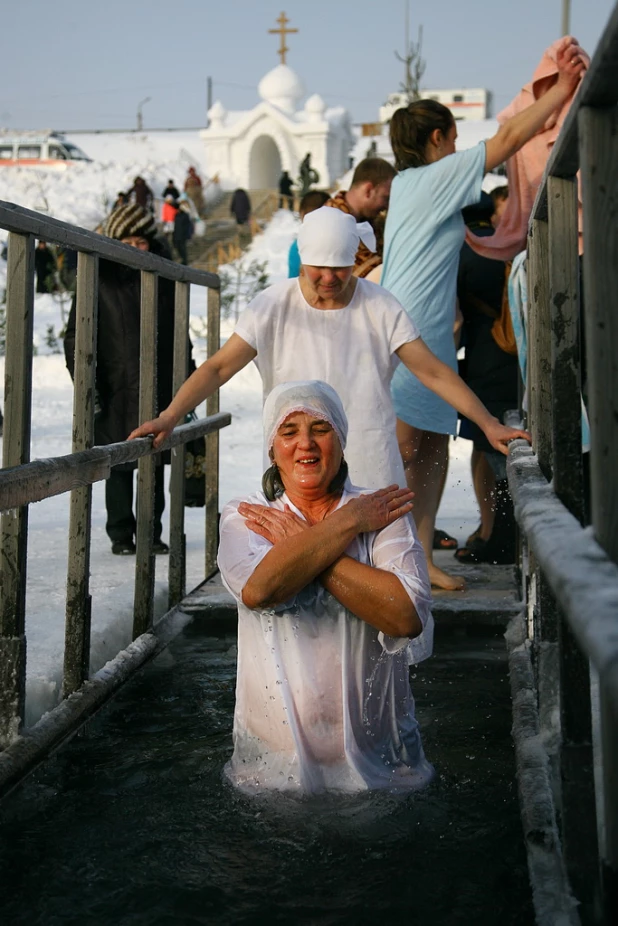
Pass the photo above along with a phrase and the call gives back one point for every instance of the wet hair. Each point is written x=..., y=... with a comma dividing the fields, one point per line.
x=498, y=194
x=313, y=200
x=272, y=486
x=411, y=128
x=372, y=170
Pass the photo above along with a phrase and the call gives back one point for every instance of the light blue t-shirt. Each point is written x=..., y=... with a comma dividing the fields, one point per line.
x=422, y=239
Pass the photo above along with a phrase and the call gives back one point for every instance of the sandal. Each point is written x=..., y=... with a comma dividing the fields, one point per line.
x=475, y=535
x=472, y=553
x=443, y=541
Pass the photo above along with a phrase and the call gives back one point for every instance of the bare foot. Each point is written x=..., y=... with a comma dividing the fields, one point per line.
x=441, y=579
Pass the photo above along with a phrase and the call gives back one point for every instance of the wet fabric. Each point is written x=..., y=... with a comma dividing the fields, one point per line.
x=323, y=699
x=423, y=237
x=352, y=349
x=311, y=396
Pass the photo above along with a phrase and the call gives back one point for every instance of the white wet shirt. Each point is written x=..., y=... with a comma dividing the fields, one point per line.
x=352, y=349
x=323, y=699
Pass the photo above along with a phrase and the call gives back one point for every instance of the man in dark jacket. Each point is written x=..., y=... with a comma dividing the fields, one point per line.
x=45, y=267
x=142, y=194
x=240, y=207
x=117, y=376
x=183, y=228
x=285, y=190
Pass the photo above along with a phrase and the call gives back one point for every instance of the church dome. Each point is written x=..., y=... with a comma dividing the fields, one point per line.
x=315, y=108
x=282, y=87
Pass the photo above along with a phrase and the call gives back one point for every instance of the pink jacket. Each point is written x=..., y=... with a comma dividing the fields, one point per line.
x=525, y=168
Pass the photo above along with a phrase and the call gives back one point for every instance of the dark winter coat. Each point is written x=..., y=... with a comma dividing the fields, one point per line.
x=183, y=227
x=142, y=194
x=285, y=185
x=118, y=351
x=240, y=207
x=45, y=265
x=490, y=373
x=171, y=190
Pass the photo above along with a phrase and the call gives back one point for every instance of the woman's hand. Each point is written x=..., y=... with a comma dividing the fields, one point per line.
x=572, y=62
x=160, y=427
x=499, y=435
x=377, y=510
x=271, y=523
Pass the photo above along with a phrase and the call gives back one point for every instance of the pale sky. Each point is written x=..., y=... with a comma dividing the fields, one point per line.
x=87, y=64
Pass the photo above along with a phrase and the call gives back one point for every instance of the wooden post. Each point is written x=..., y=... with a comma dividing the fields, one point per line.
x=598, y=130
x=212, y=443
x=539, y=346
x=78, y=605
x=15, y=451
x=565, y=344
x=177, y=567
x=145, y=565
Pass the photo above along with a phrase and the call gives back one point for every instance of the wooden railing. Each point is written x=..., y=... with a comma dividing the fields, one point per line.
x=571, y=569
x=23, y=482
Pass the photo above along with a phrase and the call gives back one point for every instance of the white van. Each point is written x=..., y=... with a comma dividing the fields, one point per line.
x=38, y=149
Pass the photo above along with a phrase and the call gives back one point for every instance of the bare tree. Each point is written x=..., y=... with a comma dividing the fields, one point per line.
x=413, y=61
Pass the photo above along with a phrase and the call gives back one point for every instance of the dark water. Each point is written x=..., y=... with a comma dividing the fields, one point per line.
x=132, y=824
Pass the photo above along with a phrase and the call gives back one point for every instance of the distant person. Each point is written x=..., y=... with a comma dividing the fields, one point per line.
x=194, y=190
x=492, y=375
x=117, y=368
x=142, y=194
x=366, y=199
x=311, y=201
x=171, y=190
x=169, y=211
x=499, y=197
x=45, y=267
x=424, y=234
x=240, y=207
x=285, y=191
x=67, y=268
x=183, y=228
x=122, y=199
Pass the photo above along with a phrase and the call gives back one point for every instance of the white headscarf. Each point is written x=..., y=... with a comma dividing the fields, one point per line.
x=329, y=238
x=313, y=397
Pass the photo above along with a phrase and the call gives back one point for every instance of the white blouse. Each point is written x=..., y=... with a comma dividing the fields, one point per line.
x=323, y=699
x=352, y=349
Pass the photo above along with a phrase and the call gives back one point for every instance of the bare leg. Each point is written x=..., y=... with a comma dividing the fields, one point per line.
x=425, y=458
x=484, y=486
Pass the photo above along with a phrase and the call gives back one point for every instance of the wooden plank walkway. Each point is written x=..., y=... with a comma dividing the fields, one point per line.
x=491, y=597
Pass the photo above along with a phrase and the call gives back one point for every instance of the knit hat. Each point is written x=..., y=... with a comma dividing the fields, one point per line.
x=130, y=221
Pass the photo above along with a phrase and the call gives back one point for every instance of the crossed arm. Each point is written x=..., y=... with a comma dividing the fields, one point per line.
x=303, y=552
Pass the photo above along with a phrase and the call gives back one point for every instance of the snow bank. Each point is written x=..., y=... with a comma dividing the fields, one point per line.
x=83, y=194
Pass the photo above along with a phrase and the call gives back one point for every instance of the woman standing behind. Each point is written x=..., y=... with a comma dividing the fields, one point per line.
x=423, y=237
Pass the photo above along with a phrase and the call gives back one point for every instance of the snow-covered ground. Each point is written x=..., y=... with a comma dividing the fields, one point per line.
x=78, y=195
x=84, y=193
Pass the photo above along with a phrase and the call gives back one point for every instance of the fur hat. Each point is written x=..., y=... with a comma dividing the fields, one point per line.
x=129, y=221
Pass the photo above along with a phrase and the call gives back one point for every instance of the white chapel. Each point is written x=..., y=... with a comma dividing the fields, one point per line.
x=251, y=148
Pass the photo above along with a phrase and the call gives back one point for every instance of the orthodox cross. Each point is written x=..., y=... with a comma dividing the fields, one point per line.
x=282, y=31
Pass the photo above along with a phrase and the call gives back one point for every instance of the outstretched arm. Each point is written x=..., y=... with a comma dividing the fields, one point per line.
x=213, y=373
x=438, y=376
x=518, y=130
